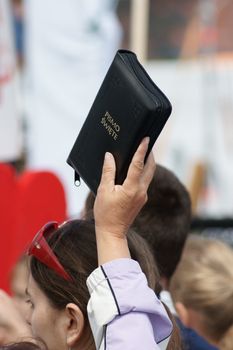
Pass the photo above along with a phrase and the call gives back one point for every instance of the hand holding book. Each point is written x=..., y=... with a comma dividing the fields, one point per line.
x=116, y=206
x=128, y=107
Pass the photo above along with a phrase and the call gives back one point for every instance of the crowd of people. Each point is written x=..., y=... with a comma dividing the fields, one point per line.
x=125, y=275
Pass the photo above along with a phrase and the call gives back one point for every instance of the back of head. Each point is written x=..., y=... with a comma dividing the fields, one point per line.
x=203, y=282
x=164, y=221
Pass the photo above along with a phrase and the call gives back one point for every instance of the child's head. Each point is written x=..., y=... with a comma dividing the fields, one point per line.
x=202, y=289
x=58, y=312
x=164, y=221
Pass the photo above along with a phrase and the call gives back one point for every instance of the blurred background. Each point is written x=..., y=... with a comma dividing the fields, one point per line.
x=53, y=58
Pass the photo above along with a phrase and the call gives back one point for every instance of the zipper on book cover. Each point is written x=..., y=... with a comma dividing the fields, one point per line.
x=77, y=180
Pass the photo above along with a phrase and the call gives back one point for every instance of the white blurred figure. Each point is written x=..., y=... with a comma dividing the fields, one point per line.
x=69, y=46
x=10, y=126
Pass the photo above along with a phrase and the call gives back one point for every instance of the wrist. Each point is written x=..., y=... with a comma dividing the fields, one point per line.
x=111, y=248
x=114, y=232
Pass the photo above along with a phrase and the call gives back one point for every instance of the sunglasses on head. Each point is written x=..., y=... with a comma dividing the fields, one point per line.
x=40, y=249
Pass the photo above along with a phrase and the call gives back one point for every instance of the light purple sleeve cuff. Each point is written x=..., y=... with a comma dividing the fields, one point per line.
x=123, y=310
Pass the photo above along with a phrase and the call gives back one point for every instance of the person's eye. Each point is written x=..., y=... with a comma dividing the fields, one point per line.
x=29, y=302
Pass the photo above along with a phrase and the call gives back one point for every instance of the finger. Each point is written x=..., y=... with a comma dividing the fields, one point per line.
x=137, y=164
x=148, y=171
x=108, y=171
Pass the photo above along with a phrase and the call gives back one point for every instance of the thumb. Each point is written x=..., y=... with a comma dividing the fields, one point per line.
x=108, y=171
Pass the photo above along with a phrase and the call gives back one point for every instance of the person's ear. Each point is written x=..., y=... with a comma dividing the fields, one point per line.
x=183, y=313
x=75, y=324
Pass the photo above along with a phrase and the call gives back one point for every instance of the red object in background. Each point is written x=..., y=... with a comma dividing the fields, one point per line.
x=7, y=219
x=27, y=202
x=41, y=198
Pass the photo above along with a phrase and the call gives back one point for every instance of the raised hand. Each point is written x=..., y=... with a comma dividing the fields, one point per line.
x=116, y=206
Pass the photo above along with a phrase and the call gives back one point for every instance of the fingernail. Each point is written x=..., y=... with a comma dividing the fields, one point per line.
x=147, y=140
x=108, y=156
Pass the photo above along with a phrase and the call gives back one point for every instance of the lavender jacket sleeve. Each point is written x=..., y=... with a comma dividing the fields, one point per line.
x=124, y=313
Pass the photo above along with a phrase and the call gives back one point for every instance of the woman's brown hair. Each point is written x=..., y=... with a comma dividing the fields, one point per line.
x=74, y=243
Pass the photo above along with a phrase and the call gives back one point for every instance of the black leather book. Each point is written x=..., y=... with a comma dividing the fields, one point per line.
x=128, y=107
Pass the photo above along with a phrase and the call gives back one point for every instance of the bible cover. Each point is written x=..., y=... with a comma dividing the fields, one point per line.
x=128, y=107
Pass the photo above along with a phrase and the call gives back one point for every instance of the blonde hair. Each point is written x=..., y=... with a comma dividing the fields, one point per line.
x=203, y=281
